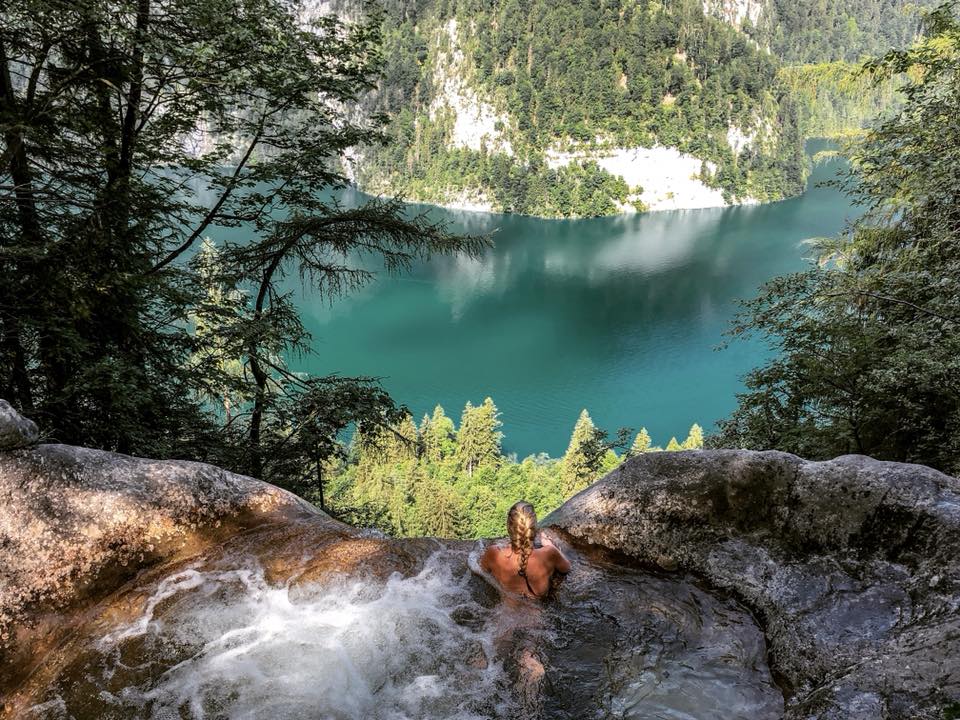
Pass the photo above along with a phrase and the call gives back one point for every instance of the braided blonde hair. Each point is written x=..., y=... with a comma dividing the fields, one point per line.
x=522, y=529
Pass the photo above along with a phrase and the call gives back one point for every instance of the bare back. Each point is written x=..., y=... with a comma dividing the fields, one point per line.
x=542, y=563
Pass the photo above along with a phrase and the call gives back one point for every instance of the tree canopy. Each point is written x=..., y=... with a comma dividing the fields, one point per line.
x=569, y=74
x=432, y=480
x=130, y=131
x=868, y=338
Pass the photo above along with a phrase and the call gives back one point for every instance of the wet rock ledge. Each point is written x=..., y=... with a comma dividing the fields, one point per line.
x=76, y=524
x=851, y=566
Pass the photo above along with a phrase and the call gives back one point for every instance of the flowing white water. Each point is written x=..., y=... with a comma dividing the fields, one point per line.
x=223, y=639
x=416, y=647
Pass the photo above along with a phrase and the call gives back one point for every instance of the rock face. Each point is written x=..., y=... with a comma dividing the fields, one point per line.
x=75, y=524
x=16, y=431
x=852, y=566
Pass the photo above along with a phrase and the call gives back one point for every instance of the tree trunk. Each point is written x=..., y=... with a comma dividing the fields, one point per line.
x=260, y=376
x=19, y=168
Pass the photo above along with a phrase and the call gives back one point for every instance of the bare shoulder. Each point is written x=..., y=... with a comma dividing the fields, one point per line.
x=490, y=556
x=558, y=559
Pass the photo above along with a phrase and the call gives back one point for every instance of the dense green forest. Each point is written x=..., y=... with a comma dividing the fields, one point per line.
x=867, y=340
x=612, y=73
x=454, y=481
x=832, y=30
x=569, y=74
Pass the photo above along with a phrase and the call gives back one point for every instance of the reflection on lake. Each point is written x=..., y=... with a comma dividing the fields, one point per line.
x=619, y=315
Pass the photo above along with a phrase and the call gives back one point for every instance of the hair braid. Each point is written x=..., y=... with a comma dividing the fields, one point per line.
x=522, y=528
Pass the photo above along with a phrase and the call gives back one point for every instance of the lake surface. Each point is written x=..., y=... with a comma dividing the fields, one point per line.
x=619, y=315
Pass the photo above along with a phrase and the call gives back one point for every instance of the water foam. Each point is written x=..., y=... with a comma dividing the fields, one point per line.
x=414, y=647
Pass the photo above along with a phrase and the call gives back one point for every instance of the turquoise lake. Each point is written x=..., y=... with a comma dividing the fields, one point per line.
x=619, y=315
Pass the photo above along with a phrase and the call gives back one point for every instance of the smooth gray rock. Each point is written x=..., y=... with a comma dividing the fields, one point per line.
x=16, y=431
x=852, y=566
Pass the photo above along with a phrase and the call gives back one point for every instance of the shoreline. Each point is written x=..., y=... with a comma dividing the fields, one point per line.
x=464, y=205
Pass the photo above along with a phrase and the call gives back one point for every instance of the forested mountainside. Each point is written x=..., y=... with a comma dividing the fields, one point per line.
x=572, y=108
x=821, y=45
x=816, y=31
x=568, y=108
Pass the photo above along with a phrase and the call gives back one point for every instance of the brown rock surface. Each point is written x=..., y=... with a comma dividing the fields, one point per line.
x=75, y=524
x=850, y=566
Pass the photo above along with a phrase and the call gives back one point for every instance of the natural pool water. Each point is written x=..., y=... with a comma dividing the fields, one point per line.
x=226, y=637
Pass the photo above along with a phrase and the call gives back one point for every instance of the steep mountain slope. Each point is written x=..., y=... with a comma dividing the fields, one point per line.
x=821, y=46
x=823, y=30
x=564, y=108
x=579, y=108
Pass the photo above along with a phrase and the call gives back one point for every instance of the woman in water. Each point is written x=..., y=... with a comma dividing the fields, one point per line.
x=528, y=565
x=525, y=568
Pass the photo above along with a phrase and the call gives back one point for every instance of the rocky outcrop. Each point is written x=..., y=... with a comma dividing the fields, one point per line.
x=735, y=12
x=16, y=431
x=852, y=566
x=75, y=524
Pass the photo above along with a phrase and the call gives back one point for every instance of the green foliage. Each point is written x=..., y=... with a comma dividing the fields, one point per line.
x=589, y=454
x=868, y=340
x=581, y=462
x=641, y=443
x=215, y=313
x=823, y=51
x=837, y=97
x=131, y=130
x=409, y=481
x=450, y=483
x=847, y=30
x=478, y=439
x=583, y=76
x=694, y=439
x=438, y=435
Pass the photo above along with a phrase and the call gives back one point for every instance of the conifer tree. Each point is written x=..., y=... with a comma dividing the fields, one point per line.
x=406, y=440
x=367, y=453
x=438, y=436
x=673, y=445
x=440, y=512
x=401, y=507
x=641, y=443
x=584, y=454
x=478, y=438
x=423, y=430
x=694, y=439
